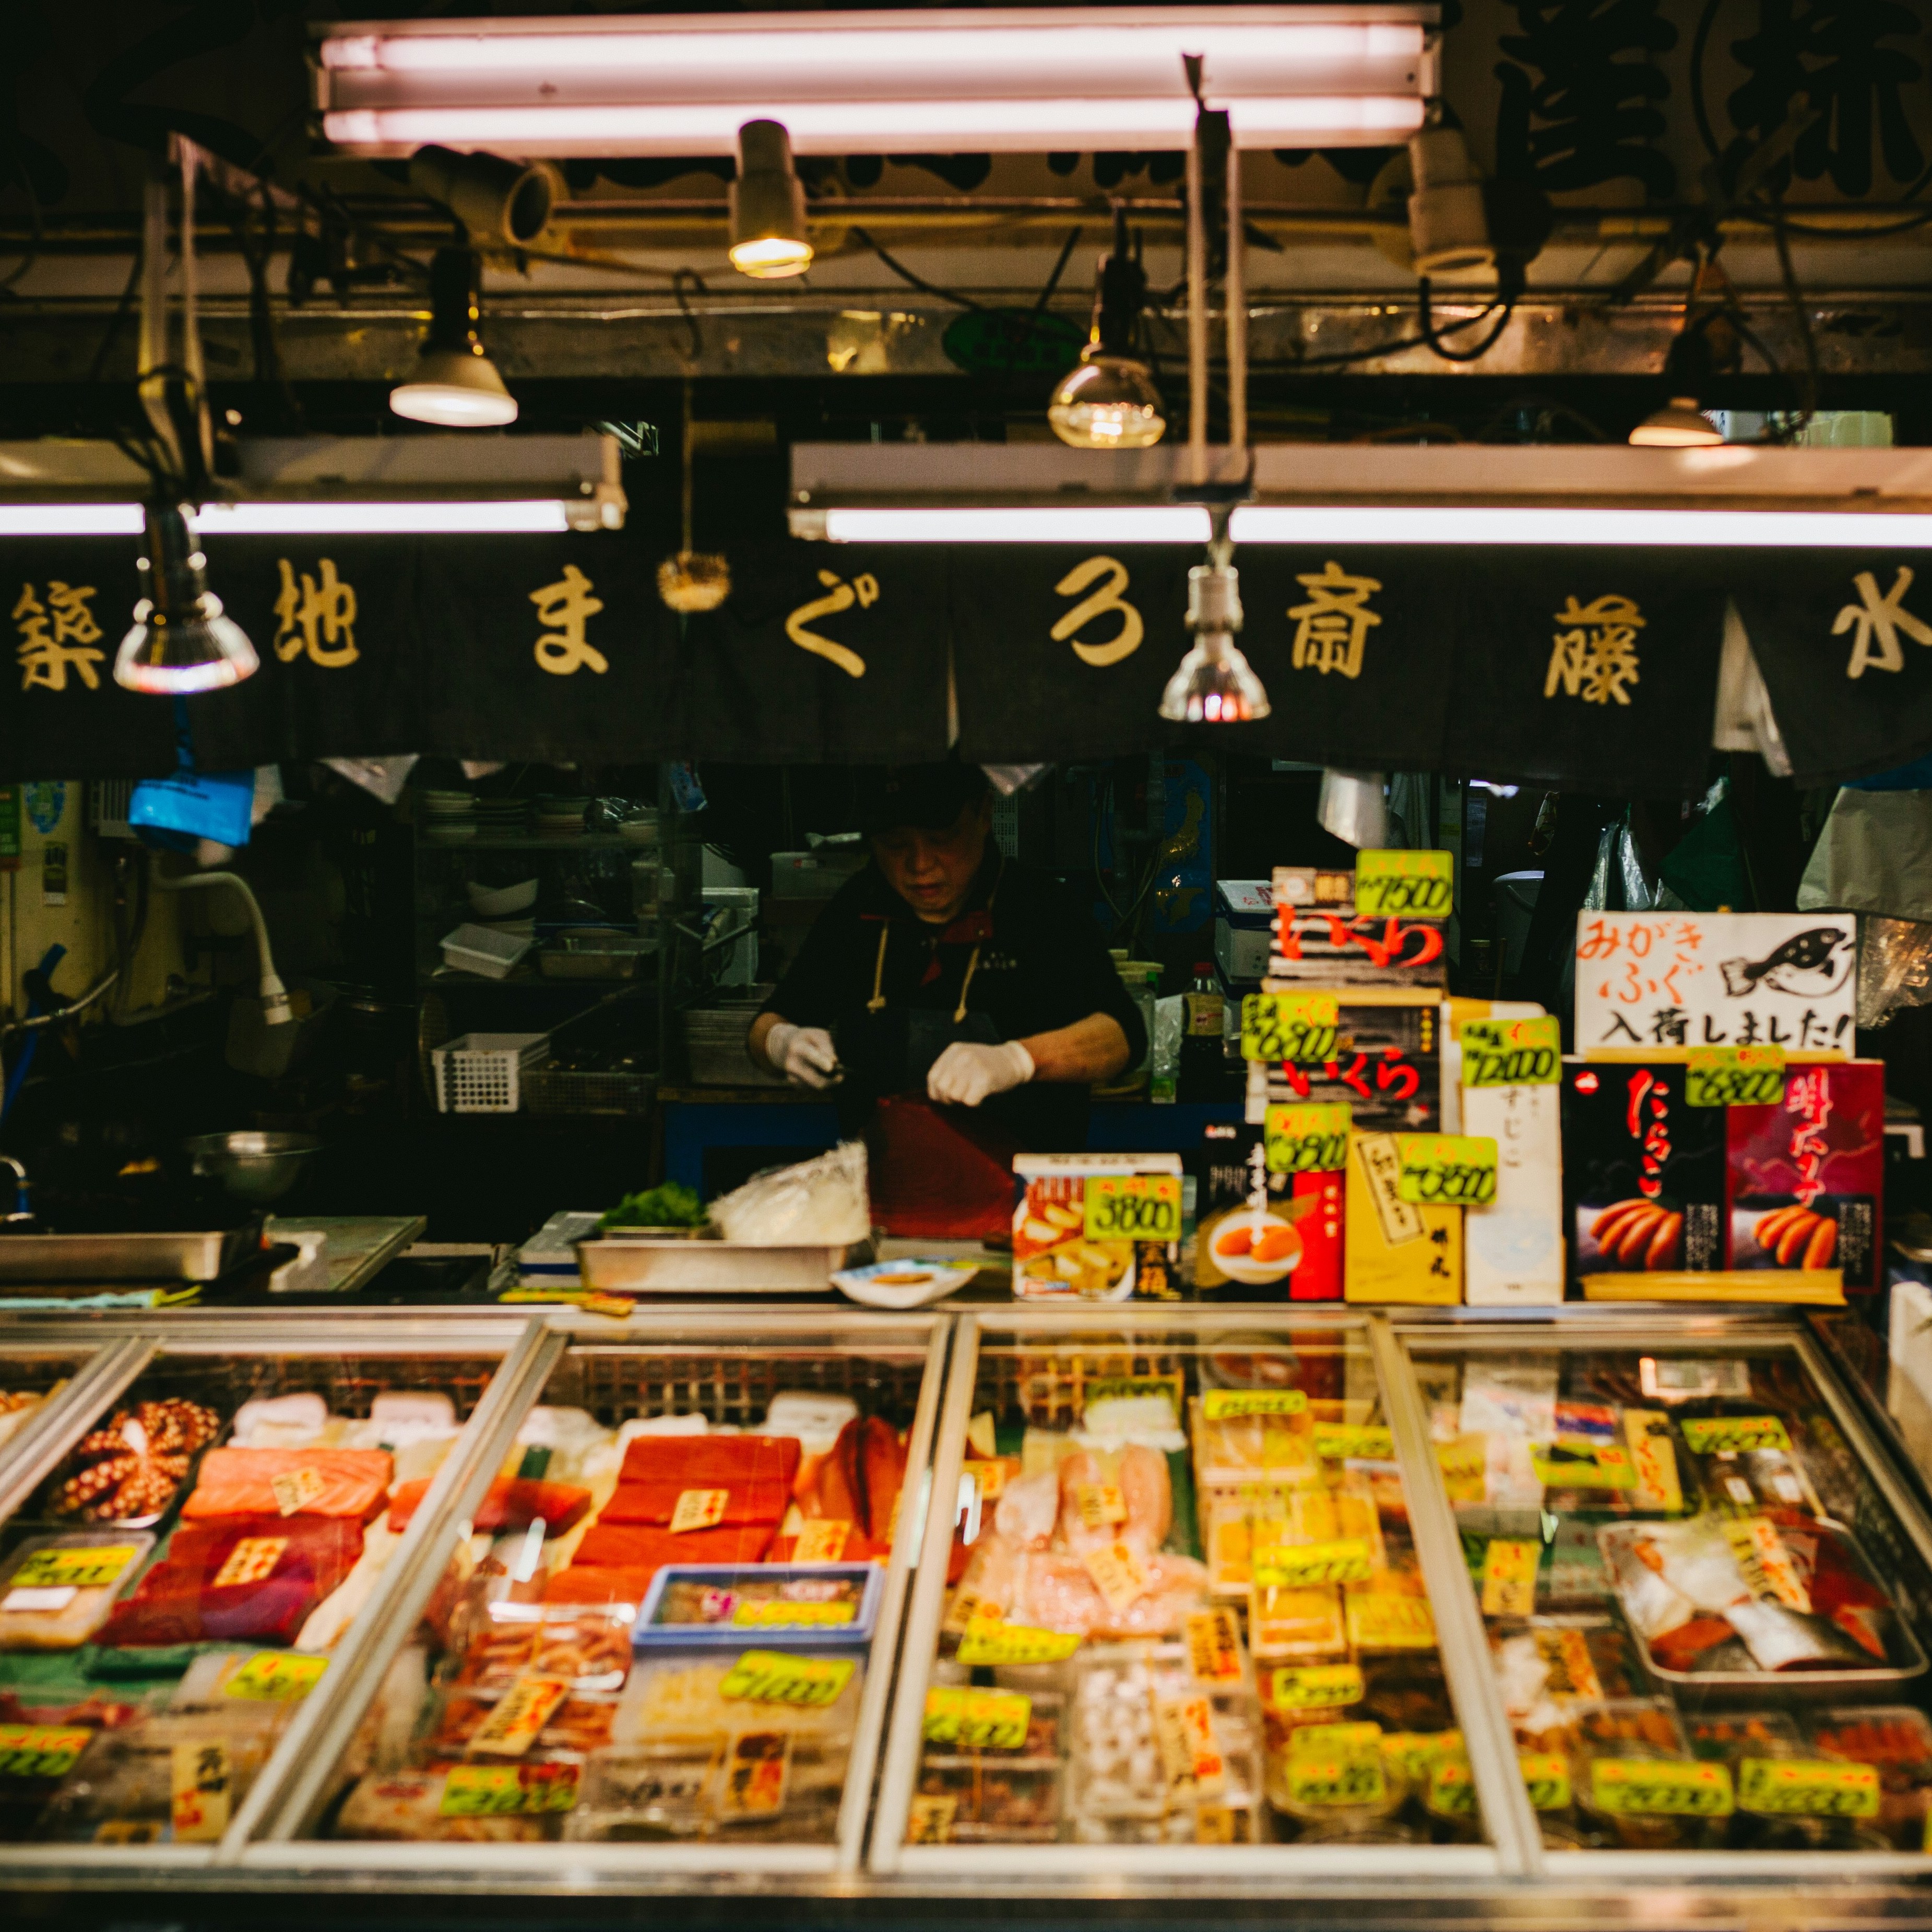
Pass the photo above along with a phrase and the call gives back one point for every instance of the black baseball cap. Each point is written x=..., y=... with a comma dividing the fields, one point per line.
x=928, y=798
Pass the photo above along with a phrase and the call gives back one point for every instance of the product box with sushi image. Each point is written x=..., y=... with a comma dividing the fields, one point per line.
x=1396, y=1250
x=1097, y=1227
x=1383, y=1062
x=1806, y=1178
x=1268, y=1218
x=1643, y=1170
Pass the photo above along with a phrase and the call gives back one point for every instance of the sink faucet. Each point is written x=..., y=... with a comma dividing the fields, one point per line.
x=22, y=1209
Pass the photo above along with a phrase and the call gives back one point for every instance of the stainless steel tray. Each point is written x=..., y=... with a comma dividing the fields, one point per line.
x=706, y=1267
x=33, y=1261
x=1904, y=1659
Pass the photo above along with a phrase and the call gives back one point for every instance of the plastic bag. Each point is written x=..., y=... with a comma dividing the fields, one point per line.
x=1894, y=967
x=819, y=1203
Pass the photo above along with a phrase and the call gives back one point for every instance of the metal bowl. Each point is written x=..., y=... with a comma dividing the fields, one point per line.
x=251, y=1166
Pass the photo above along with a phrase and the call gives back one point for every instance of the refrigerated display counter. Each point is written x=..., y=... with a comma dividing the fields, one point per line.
x=1248, y=1612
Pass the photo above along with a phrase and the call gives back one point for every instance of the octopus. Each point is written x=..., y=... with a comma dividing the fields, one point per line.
x=133, y=1467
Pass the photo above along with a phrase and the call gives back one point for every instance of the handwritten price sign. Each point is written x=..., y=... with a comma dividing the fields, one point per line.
x=1133, y=1207
x=1511, y=1053
x=1447, y=1170
x=1406, y=885
x=1306, y=1140
x=1735, y=1076
x=1278, y=1027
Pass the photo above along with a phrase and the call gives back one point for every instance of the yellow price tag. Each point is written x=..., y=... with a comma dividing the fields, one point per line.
x=1118, y=1574
x=1405, y=885
x=1452, y=1790
x=1385, y=1620
x=1546, y=1776
x=519, y=1715
x=201, y=1788
x=276, y=1677
x=1337, y=1780
x=41, y=1750
x=1345, y=1560
x=1306, y=1739
x=95, y=1567
x=770, y=1615
x=1511, y=1053
x=294, y=1490
x=973, y=1720
x=1733, y=1435
x=1735, y=1076
x=1414, y=1754
x=1315, y=1687
x=1098, y=1505
x=507, y=1790
x=1224, y=1405
x=1282, y=1027
x=1509, y=1578
x=1650, y=1787
x=1132, y=1207
x=1363, y=1442
x=1577, y=1463
x=1447, y=1170
x=929, y=1822
x=1015, y=1643
x=774, y=1677
x=1823, y=1788
x=253, y=1560
x=1306, y=1140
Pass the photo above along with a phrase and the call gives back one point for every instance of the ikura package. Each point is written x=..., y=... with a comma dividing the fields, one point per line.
x=1097, y=1227
x=1318, y=939
x=1264, y=1234
x=1805, y=1179
x=1386, y=1068
x=1643, y=1170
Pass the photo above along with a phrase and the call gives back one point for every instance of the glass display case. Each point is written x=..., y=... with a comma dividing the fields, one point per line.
x=1188, y=1617
x=39, y=1381
x=199, y=1543
x=661, y=1633
x=1704, y=1593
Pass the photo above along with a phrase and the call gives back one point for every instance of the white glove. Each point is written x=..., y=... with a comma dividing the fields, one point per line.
x=965, y=1074
x=805, y=1055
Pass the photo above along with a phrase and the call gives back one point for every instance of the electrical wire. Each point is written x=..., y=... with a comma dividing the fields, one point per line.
x=912, y=280
x=1796, y=296
x=1425, y=315
x=11, y=278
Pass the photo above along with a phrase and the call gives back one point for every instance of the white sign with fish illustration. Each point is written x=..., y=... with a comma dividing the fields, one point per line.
x=1652, y=980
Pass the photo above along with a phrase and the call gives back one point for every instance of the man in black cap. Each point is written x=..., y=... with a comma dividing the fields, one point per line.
x=946, y=968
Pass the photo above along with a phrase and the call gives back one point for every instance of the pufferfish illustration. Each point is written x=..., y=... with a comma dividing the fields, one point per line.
x=1807, y=964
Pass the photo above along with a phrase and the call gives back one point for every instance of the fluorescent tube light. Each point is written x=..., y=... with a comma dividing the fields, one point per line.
x=536, y=518
x=1002, y=79
x=1256, y=524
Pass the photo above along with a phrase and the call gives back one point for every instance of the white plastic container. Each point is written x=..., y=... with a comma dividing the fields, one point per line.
x=481, y=1072
x=475, y=949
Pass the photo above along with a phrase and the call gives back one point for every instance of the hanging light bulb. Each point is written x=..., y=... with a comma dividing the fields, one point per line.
x=1107, y=399
x=1214, y=684
x=768, y=237
x=455, y=385
x=1678, y=425
x=180, y=641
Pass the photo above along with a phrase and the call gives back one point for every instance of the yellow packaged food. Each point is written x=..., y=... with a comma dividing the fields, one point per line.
x=1397, y=1251
x=1303, y=1624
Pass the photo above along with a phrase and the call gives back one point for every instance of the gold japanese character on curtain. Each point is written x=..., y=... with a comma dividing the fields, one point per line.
x=1331, y=629
x=1875, y=623
x=565, y=609
x=57, y=637
x=1098, y=603
x=317, y=615
x=1594, y=657
x=863, y=591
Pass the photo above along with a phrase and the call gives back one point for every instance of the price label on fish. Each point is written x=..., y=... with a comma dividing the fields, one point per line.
x=253, y=1560
x=1281, y=1027
x=1405, y=885
x=1133, y=1207
x=1315, y=1687
x=1733, y=1435
x=1447, y=1170
x=1213, y=1647
x=1306, y=1140
x=509, y=1790
x=698, y=1509
x=1735, y=1076
x=41, y=1750
x=1509, y=1577
x=1648, y=1787
x=821, y=1541
x=1785, y=1787
x=294, y=1490
x=276, y=1677
x=97, y=1566
x=519, y=1715
x=1118, y=1574
x=772, y=1677
x=1511, y=1053
x=1296, y=1566
x=1098, y=1505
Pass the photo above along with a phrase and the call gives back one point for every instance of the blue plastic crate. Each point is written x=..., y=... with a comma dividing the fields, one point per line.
x=767, y=1626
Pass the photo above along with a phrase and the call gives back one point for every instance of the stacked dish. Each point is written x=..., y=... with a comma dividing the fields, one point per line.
x=449, y=817
x=503, y=817
x=561, y=817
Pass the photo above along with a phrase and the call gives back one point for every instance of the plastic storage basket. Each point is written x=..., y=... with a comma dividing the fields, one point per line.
x=482, y=1073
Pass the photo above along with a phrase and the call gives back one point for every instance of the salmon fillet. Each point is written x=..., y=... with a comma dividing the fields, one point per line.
x=352, y=1482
